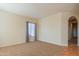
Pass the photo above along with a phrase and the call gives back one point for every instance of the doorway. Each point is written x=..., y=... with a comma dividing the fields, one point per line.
x=72, y=31
x=31, y=32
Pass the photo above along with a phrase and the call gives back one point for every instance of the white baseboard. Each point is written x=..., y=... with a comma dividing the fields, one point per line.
x=55, y=43
x=11, y=44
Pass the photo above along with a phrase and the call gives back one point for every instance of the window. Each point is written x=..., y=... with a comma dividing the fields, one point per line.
x=31, y=31
x=31, y=28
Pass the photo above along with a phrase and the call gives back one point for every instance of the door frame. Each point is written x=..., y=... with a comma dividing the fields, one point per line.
x=72, y=18
x=27, y=33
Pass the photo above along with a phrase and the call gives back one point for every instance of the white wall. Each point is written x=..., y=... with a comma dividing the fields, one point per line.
x=54, y=29
x=12, y=28
x=50, y=29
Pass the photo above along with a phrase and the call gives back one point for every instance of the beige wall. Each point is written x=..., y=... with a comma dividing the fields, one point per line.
x=13, y=28
x=50, y=29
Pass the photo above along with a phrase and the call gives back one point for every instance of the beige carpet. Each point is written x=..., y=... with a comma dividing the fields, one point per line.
x=36, y=48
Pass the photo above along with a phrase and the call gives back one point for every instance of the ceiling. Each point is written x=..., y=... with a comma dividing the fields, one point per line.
x=38, y=10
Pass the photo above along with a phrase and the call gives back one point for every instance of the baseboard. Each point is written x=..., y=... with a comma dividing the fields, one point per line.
x=64, y=45
x=16, y=43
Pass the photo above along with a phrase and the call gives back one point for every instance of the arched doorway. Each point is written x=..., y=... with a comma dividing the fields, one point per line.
x=72, y=31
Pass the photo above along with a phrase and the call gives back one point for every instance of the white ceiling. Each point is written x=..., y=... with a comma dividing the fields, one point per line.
x=37, y=10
